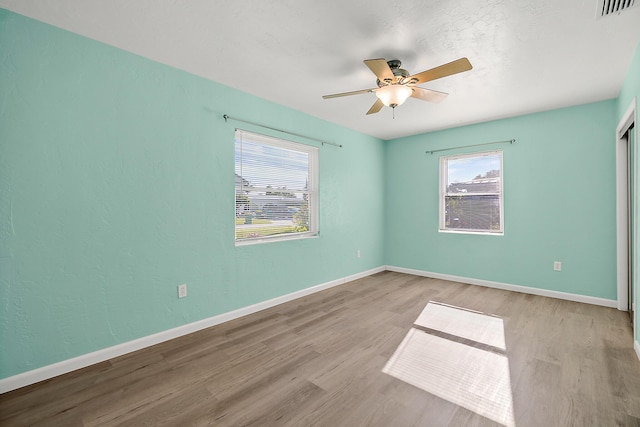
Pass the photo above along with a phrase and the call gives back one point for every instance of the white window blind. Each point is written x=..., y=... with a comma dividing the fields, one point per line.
x=471, y=193
x=276, y=188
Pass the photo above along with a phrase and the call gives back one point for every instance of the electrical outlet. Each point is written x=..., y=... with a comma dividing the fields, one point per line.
x=557, y=265
x=358, y=253
x=182, y=291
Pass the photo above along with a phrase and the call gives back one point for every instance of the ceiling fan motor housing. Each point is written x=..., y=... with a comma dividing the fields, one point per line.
x=399, y=73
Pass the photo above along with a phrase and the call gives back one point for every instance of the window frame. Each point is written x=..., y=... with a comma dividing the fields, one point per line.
x=443, y=184
x=312, y=186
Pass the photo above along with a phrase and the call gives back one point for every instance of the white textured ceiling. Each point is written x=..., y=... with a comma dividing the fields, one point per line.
x=528, y=55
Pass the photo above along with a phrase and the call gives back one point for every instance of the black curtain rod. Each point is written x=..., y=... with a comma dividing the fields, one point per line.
x=510, y=141
x=227, y=117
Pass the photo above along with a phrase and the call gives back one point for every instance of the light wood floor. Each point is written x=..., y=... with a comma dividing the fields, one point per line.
x=318, y=361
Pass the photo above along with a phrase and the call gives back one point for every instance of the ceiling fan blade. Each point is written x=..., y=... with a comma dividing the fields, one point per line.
x=428, y=94
x=455, y=67
x=381, y=69
x=377, y=106
x=355, y=92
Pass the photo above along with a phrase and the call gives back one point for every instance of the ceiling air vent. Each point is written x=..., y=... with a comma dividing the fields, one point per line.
x=612, y=7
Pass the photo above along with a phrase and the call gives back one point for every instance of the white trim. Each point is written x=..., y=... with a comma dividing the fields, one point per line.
x=50, y=371
x=69, y=365
x=481, y=233
x=621, y=205
x=628, y=118
x=636, y=347
x=634, y=226
x=508, y=287
x=278, y=238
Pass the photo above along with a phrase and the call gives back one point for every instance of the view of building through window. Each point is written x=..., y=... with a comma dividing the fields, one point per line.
x=471, y=189
x=275, y=186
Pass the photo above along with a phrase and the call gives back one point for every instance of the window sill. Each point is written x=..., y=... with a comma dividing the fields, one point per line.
x=483, y=233
x=296, y=236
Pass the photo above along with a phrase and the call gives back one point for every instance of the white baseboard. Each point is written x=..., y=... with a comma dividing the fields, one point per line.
x=69, y=365
x=507, y=287
x=636, y=347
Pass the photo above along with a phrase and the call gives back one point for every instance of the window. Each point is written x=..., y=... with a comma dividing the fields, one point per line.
x=471, y=193
x=276, y=187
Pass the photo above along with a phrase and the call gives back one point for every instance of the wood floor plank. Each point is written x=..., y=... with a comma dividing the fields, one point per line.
x=317, y=361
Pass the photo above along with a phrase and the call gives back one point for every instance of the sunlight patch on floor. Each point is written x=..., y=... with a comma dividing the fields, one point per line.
x=469, y=376
x=463, y=323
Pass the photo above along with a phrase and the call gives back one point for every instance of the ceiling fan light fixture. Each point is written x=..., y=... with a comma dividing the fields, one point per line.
x=393, y=95
x=395, y=85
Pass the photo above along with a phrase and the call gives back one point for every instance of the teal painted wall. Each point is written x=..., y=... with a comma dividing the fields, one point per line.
x=116, y=185
x=559, y=195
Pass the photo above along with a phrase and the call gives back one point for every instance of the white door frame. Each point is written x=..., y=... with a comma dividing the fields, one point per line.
x=626, y=121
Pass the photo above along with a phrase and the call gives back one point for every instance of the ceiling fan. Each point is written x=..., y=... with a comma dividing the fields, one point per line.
x=395, y=85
